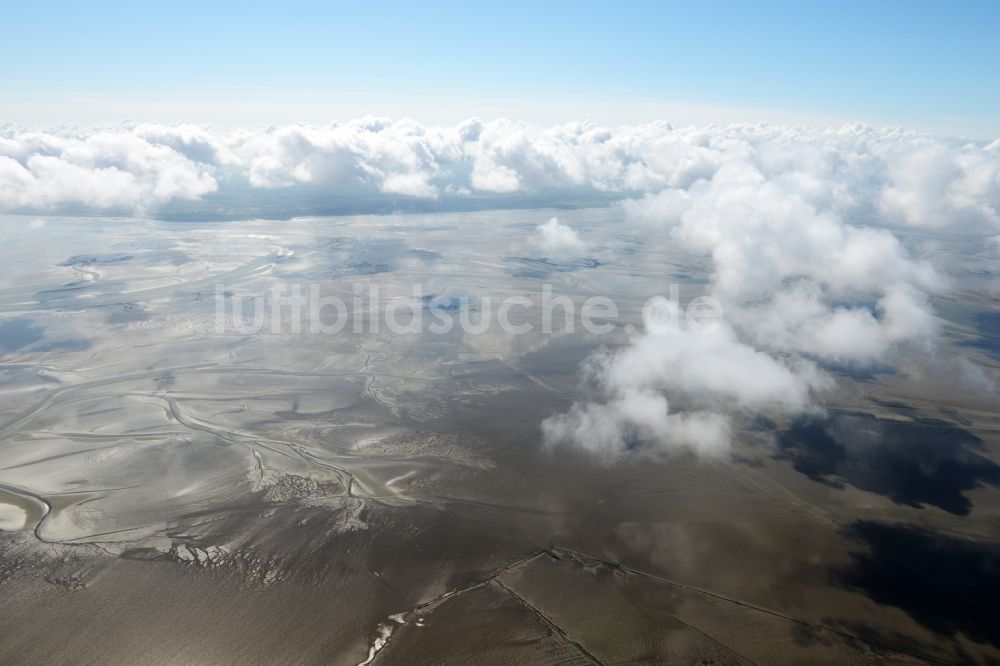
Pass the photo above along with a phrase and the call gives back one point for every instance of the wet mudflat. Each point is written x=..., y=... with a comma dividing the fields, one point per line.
x=175, y=493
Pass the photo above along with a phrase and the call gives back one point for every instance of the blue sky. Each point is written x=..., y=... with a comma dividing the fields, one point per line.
x=925, y=65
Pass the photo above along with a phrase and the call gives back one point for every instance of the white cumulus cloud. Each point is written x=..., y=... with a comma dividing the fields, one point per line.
x=555, y=240
x=804, y=282
x=901, y=177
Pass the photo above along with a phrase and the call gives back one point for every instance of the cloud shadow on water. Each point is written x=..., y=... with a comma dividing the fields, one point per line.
x=22, y=334
x=344, y=257
x=949, y=585
x=988, y=340
x=528, y=267
x=19, y=332
x=918, y=463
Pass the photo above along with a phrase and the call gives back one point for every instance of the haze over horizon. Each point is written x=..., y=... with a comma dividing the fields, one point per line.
x=919, y=65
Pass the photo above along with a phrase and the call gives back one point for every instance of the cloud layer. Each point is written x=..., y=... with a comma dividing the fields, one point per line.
x=900, y=177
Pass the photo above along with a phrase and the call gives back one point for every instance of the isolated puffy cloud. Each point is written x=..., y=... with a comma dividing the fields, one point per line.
x=555, y=240
x=706, y=362
x=633, y=419
x=704, y=359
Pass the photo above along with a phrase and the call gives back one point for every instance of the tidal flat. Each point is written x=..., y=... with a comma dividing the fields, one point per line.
x=176, y=490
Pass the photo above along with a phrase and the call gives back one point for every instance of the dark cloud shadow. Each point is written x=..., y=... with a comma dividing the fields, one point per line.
x=343, y=257
x=122, y=314
x=988, y=341
x=23, y=334
x=926, y=462
x=143, y=257
x=18, y=333
x=67, y=345
x=949, y=585
x=527, y=267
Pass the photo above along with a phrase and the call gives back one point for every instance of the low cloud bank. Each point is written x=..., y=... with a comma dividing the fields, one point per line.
x=895, y=176
x=107, y=170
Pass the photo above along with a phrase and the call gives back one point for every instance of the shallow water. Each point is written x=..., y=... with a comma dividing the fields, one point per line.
x=367, y=485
